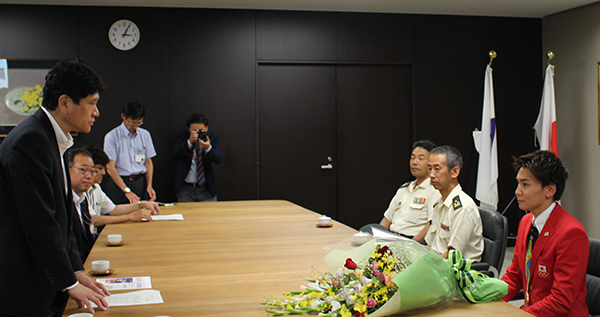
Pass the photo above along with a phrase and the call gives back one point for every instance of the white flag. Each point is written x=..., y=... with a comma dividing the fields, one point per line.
x=486, y=145
x=545, y=126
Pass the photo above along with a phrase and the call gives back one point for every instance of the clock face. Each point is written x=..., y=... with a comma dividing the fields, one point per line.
x=124, y=35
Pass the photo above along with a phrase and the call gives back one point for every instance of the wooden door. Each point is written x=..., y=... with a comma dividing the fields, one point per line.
x=296, y=133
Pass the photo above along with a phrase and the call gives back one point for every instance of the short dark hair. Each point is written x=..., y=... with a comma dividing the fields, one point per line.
x=546, y=167
x=197, y=118
x=134, y=110
x=453, y=156
x=98, y=155
x=71, y=78
x=426, y=144
x=74, y=152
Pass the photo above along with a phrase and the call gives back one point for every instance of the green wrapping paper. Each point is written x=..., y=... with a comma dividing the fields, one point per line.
x=428, y=282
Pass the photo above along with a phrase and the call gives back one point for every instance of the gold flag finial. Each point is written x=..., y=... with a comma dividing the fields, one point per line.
x=550, y=56
x=492, y=56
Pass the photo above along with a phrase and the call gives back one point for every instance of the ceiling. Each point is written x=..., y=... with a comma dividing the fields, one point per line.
x=506, y=8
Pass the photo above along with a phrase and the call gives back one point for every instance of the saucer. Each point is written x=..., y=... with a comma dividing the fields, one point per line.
x=325, y=226
x=113, y=244
x=94, y=273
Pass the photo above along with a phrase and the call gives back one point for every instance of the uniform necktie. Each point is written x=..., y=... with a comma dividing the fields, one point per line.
x=200, y=179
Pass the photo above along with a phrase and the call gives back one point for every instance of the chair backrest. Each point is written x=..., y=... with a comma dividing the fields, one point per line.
x=592, y=297
x=495, y=234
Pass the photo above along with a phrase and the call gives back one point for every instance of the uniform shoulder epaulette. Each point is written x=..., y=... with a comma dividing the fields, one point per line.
x=456, y=203
x=405, y=185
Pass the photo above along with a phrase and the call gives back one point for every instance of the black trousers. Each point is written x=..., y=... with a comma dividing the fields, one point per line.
x=137, y=184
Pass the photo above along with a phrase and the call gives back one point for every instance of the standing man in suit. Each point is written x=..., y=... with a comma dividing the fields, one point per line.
x=552, y=248
x=39, y=263
x=196, y=149
x=130, y=149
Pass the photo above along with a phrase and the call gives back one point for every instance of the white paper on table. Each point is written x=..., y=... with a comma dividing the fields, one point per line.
x=144, y=297
x=383, y=236
x=167, y=217
x=125, y=283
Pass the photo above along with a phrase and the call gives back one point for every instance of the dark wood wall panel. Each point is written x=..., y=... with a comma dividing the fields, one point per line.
x=206, y=60
x=140, y=74
x=376, y=37
x=294, y=35
x=518, y=78
x=374, y=127
x=35, y=32
x=212, y=71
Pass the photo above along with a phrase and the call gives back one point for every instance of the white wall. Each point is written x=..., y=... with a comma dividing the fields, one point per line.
x=574, y=37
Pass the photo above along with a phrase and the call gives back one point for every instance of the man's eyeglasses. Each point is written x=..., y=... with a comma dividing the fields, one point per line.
x=135, y=123
x=85, y=171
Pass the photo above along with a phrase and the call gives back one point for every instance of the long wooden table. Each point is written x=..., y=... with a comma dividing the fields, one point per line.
x=227, y=257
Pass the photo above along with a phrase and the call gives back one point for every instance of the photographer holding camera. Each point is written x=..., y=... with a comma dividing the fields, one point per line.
x=196, y=149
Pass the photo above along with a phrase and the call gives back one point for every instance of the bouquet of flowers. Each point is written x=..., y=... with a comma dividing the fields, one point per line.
x=383, y=279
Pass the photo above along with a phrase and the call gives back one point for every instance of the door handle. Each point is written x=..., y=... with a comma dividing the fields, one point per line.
x=327, y=167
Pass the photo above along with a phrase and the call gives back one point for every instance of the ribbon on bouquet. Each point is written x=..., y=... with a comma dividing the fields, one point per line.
x=475, y=287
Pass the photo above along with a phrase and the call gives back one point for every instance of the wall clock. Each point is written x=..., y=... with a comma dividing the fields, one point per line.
x=124, y=35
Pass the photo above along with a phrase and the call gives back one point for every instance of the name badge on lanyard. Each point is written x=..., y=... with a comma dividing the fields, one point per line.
x=140, y=157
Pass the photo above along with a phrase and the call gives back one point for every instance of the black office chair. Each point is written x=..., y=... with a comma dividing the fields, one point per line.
x=593, y=278
x=495, y=233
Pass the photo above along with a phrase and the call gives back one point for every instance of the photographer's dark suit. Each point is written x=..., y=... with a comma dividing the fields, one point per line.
x=184, y=154
x=38, y=252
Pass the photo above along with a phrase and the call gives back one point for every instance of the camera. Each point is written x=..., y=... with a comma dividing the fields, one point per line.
x=202, y=135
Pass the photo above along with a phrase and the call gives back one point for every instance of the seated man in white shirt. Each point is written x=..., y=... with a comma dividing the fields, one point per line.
x=410, y=210
x=104, y=210
x=455, y=222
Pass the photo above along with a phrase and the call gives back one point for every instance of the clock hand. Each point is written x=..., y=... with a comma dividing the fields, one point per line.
x=125, y=33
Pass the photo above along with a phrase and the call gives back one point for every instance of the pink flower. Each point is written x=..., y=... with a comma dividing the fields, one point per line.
x=376, y=273
x=335, y=283
x=350, y=264
x=371, y=303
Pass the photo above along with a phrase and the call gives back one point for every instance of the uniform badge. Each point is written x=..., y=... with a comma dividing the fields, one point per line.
x=542, y=271
x=456, y=203
x=405, y=185
x=419, y=200
x=447, y=228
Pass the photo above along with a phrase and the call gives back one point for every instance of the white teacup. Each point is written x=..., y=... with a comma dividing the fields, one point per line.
x=100, y=266
x=114, y=238
x=324, y=220
x=361, y=237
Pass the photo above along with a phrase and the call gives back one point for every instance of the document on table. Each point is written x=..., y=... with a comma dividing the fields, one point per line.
x=167, y=217
x=125, y=283
x=144, y=297
x=383, y=235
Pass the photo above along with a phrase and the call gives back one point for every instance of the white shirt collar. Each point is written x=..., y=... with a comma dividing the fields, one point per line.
x=540, y=220
x=78, y=199
x=64, y=141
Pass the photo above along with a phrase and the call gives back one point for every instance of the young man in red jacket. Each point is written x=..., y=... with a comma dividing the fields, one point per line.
x=552, y=249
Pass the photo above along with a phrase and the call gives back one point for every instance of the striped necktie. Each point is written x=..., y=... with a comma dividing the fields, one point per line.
x=200, y=179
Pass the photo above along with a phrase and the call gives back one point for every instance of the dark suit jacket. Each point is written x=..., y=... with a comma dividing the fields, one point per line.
x=38, y=252
x=558, y=266
x=184, y=155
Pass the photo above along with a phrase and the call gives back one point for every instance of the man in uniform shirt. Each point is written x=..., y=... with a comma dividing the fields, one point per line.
x=455, y=222
x=410, y=209
x=130, y=150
